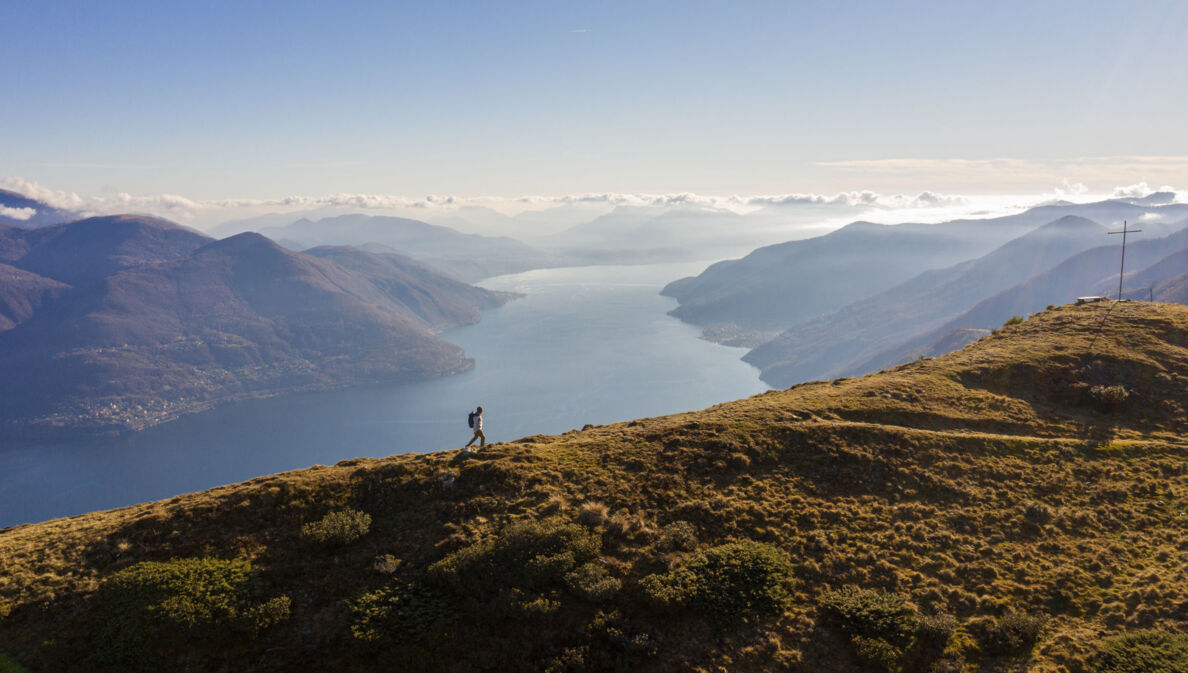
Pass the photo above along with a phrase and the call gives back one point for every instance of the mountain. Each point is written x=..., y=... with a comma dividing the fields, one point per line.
x=468, y=256
x=1016, y=505
x=122, y=322
x=416, y=291
x=22, y=293
x=831, y=344
x=776, y=287
x=649, y=234
x=1174, y=290
x=22, y=211
x=1084, y=274
x=90, y=249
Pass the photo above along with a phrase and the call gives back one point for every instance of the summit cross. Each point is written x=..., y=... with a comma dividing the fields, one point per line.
x=1123, y=267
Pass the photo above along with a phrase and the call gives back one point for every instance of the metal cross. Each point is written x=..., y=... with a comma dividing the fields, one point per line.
x=1123, y=267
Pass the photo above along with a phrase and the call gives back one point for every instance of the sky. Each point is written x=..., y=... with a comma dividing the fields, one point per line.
x=265, y=101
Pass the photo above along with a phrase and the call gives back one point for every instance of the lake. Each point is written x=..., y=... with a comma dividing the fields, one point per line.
x=585, y=345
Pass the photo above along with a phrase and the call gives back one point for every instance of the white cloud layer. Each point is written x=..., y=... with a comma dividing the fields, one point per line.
x=17, y=213
x=921, y=206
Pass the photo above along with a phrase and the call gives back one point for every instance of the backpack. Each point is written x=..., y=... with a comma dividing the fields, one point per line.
x=470, y=419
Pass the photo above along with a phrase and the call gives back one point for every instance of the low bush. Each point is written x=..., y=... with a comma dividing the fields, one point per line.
x=1141, y=652
x=871, y=614
x=402, y=612
x=677, y=536
x=730, y=582
x=1013, y=633
x=934, y=631
x=527, y=556
x=1109, y=398
x=1013, y=320
x=338, y=528
x=592, y=582
x=151, y=606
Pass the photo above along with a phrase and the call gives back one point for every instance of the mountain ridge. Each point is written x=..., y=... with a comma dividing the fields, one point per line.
x=158, y=321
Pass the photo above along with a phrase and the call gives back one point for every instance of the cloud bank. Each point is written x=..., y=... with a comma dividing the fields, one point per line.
x=924, y=205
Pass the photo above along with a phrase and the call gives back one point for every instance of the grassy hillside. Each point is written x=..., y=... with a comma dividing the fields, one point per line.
x=1017, y=505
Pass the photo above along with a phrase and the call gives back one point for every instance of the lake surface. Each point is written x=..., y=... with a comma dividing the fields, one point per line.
x=585, y=345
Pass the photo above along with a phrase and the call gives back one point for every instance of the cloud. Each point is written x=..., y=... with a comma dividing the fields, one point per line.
x=17, y=213
x=864, y=198
x=1004, y=173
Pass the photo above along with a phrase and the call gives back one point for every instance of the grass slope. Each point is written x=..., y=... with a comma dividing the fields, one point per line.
x=976, y=504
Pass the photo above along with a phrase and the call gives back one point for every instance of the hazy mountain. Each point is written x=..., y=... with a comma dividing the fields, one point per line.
x=467, y=256
x=1092, y=272
x=162, y=321
x=778, y=286
x=830, y=344
x=1012, y=506
x=645, y=234
x=416, y=291
x=22, y=293
x=96, y=247
x=22, y=211
x=1173, y=290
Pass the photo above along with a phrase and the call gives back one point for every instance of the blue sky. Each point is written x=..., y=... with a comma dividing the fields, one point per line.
x=218, y=100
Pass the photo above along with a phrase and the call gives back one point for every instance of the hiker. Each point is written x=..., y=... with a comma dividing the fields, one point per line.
x=476, y=421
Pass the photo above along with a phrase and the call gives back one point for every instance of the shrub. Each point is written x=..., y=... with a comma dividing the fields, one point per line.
x=264, y=615
x=934, y=631
x=1109, y=398
x=1013, y=633
x=386, y=564
x=1013, y=320
x=678, y=536
x=155, y=605
x=402, y=611
x=592, y=582
x=731, y=582
x=1141, y=652
x=527, y=556
x=870, y=614
x=592, y=514
x=338, y=528
x=878, y=653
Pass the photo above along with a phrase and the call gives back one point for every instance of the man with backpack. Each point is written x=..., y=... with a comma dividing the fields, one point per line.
x=475, y=420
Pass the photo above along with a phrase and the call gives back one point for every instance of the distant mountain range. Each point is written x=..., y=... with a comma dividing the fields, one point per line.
x=469, y=257
x=120, y=322
x=868, y=296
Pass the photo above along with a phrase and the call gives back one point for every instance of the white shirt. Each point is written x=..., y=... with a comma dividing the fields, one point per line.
x=478, y=421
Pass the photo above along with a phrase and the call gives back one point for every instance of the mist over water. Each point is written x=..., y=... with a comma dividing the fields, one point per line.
x=585, y=345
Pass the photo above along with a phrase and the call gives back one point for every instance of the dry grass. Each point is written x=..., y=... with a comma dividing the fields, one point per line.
x=979, y=484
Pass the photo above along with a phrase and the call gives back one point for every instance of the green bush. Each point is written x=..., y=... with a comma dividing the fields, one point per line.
x=871, y=614
x=1013, y=320
x=934, y=631
x=527, y=556
x=338, y=528
x=592, y=582
x=678, y=536
x=1013, y=633
x=154, y=605
x=730, y=582
x=1141, y=652
x=402, y=611
x=877, y=653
